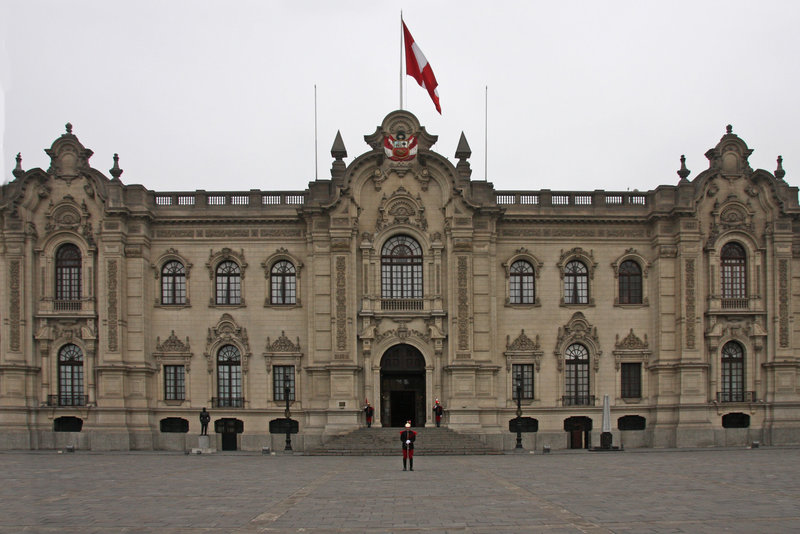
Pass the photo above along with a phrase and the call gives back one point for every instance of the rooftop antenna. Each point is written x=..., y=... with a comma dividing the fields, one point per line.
x=316, y=151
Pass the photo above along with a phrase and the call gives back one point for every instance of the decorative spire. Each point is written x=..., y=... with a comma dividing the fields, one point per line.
x=18, y=172
x=683, y=172
x=463, y=151
x=68, y=126
x=729, y=129
x=338, y=152
x=779, y=172
x=115, y=171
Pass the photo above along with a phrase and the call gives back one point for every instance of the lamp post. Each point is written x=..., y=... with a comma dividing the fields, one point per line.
x=287, y=414
x=518, y=381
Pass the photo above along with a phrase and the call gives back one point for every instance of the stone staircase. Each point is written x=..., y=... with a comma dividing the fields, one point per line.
x=384, y=441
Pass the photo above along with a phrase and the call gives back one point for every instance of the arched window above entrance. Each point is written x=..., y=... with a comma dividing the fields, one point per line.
x=402, y=358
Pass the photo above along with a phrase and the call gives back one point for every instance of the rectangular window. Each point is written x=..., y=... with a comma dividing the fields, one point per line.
x=282, y=376
x=174, y=382
x=525, y=371
x=631, y=380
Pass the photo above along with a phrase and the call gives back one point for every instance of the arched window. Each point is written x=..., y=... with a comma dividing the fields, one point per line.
x=70, y=376
x=68, y=273
x=732, y=373
x=576, y=283
x=733, y=258
x=173, y=283
x=229, y=378
x=283, y=282
x=521, y=287
x=630, y=283
x=576, y=360
x=229, y=283
x=401, y=269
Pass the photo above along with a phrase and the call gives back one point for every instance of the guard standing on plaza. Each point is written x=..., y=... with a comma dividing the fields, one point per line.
x=205, y=417
x=407, y=438
x=437, y=412
x=369, y=411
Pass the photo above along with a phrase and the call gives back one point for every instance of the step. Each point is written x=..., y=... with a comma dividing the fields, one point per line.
x=384, y=441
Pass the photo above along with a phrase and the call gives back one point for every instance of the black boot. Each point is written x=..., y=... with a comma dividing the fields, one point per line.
x=411, y=463
x=404, y=464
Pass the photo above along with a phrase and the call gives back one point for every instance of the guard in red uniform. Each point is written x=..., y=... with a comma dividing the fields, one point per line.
x=437, y=412
x=407, y=438
x=369, y=411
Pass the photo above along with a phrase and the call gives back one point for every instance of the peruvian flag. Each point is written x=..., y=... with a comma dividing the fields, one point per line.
x=418, y=68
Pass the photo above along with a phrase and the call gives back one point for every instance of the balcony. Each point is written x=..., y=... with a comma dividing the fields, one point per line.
x=67, y=400
x=402, y=304
x=736, y=396
x=577, y=400
x=82, y=307
x=227, y=402
x=734, y=304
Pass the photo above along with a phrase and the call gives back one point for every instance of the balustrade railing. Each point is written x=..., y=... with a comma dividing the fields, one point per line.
x=227, y=402
x=577, y=400
x=65, y=399
x=402, y=304
x=736, y=396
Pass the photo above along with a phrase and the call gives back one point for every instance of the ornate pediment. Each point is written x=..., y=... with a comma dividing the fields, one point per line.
x=172, y=344
x=631, y=342
x=522, y=343
x=283, y=344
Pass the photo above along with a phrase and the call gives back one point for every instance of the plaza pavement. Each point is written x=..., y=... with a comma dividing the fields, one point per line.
x=695, y=491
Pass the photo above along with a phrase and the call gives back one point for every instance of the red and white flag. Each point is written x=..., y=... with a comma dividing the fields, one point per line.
x=419, y=68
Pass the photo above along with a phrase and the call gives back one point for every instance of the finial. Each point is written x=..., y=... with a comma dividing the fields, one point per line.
x=17, y=172
x=68, y=126
x=463, y=151
x=729, y=129
x=779, y=172
x=338, y=150
x=683, y=172
x=115, y=171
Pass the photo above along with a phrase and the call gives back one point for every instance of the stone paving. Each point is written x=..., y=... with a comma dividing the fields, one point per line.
x=708, y=491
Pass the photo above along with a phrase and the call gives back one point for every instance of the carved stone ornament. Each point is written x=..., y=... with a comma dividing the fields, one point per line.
x=631, y=348
x=731, y=215
x=283, y=344
x=173, y=351
x=401, y=209
x=214, y=258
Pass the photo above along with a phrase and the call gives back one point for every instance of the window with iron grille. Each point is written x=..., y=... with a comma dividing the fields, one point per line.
x=229, y=377
x=524, y=372
x=576, y=360
x=283, y=282
x=521, y=283
x=174, y=382
x=229, y=280
x=630, y=283
x=173, y=283
x=732, y=372
x=631, y=374
x=401, y=269
x=282, y=376
x=733, y=258
x=576, y=283
x=70, y=376
x=68, y=272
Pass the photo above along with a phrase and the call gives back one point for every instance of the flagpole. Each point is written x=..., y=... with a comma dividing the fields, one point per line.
x=316, y=150
x=486, y=136
x=401, y=59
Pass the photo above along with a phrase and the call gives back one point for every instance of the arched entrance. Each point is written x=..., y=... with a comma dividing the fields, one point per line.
x=579, y=429
x=402, y=386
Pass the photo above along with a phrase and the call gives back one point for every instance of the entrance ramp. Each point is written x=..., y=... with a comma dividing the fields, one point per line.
x=385, y=441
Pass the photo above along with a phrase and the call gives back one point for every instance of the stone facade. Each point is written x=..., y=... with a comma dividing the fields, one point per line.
x=124, y=311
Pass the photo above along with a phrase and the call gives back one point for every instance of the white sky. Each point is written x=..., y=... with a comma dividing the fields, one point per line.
x=219, y=95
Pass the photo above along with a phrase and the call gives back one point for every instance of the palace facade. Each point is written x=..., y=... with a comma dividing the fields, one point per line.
x=399, y=280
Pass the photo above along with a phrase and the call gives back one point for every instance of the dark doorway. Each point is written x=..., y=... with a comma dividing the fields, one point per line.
x=579, y=430
x=402, y=387
x=229, y=427
x=228, y=441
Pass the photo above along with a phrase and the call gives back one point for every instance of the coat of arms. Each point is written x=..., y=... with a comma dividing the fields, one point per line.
x=400, y=148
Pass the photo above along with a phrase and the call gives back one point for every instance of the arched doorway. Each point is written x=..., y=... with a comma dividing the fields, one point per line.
x=402, y=386
x=579, y=429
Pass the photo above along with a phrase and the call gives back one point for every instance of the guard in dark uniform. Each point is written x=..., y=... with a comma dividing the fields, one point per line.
x=407, y=438
x=205, y=417
x=369, y=411
x=437, y=412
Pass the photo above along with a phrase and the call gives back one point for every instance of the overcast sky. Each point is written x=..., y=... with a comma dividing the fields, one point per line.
x=219, y=95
